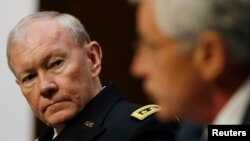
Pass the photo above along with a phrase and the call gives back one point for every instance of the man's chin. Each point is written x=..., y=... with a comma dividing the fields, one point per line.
x=59, y=118
x=163, y=116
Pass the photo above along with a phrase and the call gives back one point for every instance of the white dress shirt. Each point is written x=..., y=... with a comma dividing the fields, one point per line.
x=234, y=110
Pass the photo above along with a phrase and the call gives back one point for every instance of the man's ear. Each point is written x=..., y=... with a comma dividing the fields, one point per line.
x=210, y=55
x=95, y=56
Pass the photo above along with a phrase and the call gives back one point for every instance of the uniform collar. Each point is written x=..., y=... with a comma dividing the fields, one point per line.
x=95, y=112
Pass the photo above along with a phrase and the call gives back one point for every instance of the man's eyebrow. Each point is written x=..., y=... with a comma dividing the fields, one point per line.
x=43, y=61
x=46, y=58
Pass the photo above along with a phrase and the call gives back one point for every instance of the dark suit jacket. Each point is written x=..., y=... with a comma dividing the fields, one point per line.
x=105, y=118
x=193, y=132
x=246, y=119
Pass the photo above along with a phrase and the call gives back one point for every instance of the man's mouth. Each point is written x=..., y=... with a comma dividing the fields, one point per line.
x=52, y=104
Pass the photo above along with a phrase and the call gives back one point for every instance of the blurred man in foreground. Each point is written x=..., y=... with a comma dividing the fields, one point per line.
x=194, y=58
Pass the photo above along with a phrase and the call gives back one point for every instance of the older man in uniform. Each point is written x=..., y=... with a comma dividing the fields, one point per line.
x=57, y=66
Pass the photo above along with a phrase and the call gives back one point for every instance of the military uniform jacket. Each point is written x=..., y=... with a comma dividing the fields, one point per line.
x=104, y=118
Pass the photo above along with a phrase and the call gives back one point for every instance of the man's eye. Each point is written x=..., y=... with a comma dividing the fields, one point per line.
x=56, y=63
x=28, y=78
x=145, y=45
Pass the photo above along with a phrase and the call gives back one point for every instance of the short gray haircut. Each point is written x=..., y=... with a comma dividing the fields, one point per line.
x=69, y=23
x=186, y=19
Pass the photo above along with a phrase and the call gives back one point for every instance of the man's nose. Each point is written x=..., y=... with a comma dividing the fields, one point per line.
x=47, y=86
x=138, y=65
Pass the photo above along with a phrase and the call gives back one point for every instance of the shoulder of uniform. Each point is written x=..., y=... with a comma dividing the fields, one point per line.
x=145, y=111
x=36, y=139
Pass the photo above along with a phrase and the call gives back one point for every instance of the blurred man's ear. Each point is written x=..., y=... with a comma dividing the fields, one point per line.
x=210, y=55
x=95, y=55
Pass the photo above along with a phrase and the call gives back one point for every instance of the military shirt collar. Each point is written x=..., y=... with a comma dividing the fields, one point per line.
x=91, y=118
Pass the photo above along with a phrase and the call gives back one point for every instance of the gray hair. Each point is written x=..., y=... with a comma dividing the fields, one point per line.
x=68, y=22
x=186, y=19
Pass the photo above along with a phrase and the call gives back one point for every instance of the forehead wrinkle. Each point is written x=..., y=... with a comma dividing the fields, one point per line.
x=46, y=37
x=34, y=42
x=48, y=31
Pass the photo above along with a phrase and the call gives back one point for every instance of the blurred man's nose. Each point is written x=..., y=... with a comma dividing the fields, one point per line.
x=138, y=66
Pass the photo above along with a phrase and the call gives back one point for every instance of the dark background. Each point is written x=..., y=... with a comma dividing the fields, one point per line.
x=112, y=24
